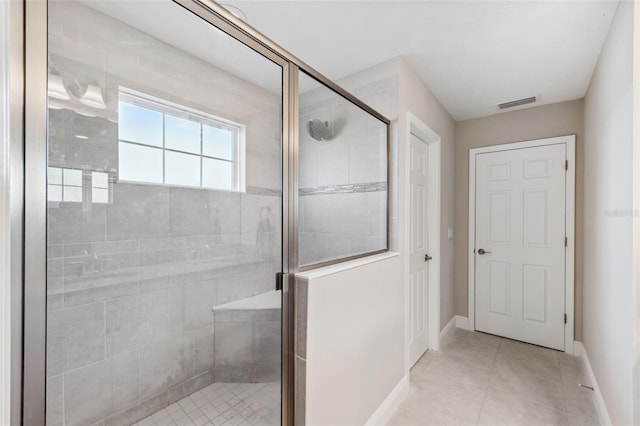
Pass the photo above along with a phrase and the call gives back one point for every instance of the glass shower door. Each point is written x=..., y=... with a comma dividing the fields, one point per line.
x=164, y=217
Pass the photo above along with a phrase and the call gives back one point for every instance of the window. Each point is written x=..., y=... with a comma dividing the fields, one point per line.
x=68, y=185
x=161, y=142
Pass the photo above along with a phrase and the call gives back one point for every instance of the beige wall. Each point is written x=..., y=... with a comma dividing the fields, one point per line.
x=609, y=217
x=417, y=99
x=546, y=121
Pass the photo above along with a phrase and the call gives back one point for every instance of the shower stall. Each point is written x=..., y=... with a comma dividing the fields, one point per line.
x=179, y=169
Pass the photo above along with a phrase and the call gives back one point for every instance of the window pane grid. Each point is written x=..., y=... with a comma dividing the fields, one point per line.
x=180, y=152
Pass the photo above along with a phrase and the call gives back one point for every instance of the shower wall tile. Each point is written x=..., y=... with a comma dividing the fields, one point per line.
x=139, y=411
x=308, y=248
x=124, y=380
x=267, y=342
x=55, y=400
x=263, y=169
x=317, y=213
x=200, y=348
x=367, y=162
x=81, y=293
x=377, y=218
x=87, y=394
x=267, y=373
x=190, y=212
x=199, y=298
x=162, y=364
x=332, y=246
x=348, y=213
x=139, y=210
x=75, y=337
x=234, y=344
x=69, y=223
x=333, y=163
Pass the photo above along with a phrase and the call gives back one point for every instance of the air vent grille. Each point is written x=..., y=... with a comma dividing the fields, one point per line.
x=519, y=102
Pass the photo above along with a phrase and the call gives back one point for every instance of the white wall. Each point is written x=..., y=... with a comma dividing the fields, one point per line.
x=355, y=333
x=608, y=219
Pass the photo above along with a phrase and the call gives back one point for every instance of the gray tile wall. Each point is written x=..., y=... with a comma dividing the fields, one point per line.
x=131, y=283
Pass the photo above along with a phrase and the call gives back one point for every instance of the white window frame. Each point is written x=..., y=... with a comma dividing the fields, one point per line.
x=163, y=106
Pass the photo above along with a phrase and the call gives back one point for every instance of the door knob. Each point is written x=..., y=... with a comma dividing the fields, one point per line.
x=483, y=251
x=427, y=257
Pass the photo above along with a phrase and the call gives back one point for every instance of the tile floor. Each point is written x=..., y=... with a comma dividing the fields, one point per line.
x=232, y=404
x=480, y=379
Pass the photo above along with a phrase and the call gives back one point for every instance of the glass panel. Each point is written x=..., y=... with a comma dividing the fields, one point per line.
x=182, y=169
x=100, y=195
x=139, y=163
x=141, y=272
x=54, y=175
x=182, y=134
x=72, y=177
x=139, y=124
x=54, y=192
x=343, y=177
x=217, y=174
x=217, y=142
x=99, y=180
x=72, y=193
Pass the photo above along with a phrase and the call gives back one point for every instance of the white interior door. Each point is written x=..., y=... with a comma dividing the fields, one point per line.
x=419, y=238
x=520, y=244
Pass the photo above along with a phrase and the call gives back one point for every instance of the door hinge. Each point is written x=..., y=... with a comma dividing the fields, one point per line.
x=566, y=241
x=279, y=280
x=566, y=164
x=565, y=318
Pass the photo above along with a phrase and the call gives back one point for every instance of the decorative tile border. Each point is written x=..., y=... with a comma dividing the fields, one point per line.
x=349, y=188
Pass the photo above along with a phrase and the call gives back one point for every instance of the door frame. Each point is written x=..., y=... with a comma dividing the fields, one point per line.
x=569, y=142
x=418, y=128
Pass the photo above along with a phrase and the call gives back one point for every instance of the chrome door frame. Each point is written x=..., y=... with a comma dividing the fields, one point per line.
x=31, y=391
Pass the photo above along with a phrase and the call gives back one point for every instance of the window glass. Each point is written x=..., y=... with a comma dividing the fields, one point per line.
x=100, y=195
x=182, y=169
x=217, y=174
x=72, y=193
x=55, y=175
x=72, y=177
x=182, y=134
x=217, y=142
x=182, y=141
x=139, y=124
x=139, y=163
x=54, y=192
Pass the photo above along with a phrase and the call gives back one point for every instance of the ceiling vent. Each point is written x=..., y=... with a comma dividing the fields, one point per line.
x=519, y=102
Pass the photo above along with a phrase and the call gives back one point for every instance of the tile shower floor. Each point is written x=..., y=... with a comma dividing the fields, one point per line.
x=245, y=404
x=480, y=379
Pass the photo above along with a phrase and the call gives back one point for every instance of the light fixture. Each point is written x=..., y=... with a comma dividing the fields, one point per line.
x=55, y=87
x=93, y=97
x=83, y=137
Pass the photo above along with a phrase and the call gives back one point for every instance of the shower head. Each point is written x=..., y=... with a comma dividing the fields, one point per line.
x=318, y=130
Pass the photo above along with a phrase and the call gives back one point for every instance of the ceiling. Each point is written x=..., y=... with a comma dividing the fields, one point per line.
x=471, y=54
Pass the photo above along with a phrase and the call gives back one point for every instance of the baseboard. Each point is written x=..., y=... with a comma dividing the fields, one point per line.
x=447, y=328
x=384, y=412
x=603, y=413
x=462, y=322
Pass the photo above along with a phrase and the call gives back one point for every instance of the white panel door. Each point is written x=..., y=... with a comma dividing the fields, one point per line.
x=418, y=242
x=520, y=244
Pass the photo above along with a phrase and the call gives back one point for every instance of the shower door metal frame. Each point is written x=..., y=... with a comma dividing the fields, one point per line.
x=33, y=260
